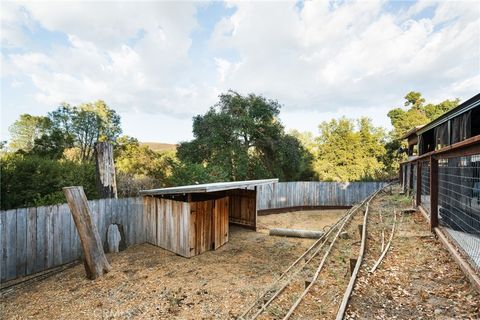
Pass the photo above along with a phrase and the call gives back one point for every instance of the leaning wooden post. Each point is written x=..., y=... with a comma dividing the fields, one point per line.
x=105, y=170
x=433, y=193
x=95, y=261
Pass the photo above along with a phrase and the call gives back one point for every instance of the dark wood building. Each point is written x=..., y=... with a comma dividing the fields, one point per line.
x=456, y=125
x=190, y=220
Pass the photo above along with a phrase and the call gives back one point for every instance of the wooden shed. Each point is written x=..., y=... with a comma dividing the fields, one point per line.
x=190, y=220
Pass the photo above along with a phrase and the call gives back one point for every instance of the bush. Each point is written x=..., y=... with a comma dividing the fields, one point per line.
x=28, y=181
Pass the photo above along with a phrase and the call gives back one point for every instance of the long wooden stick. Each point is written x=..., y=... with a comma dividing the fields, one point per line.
x=265, y=305
x=347, y=215
x=317, y=273
x=316, y=243
x=357, y=266
x=353, y=278
x=388, y=244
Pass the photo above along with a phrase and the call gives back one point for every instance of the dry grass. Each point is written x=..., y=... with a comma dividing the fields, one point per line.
x=417, y=279
x=149, y=282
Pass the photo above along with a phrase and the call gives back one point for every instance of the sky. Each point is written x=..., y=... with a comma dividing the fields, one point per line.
x=158, y=64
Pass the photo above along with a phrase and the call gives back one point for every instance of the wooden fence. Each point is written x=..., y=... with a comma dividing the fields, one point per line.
x=314, y=194
x=37, y=239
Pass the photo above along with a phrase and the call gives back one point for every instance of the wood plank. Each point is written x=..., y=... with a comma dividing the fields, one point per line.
x=49, y=237
x=31, y=240
x=40, y=239
x=57, y=236
x=102, y=217
x=141, y=234
x=11, y=244
x=66, y=221
x=3, y=246
x=192, y=228
x=220, y=226
x=21, y=244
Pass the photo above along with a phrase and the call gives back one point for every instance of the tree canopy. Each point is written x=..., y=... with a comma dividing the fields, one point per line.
x=240, y=137
x=349, y=151
x=243, y=137
x=417, y=113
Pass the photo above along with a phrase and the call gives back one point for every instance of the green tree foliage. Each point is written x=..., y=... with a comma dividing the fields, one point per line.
x=66, y=127
x=25, y=130
x=29, y=180
x=349, y=152
x=417, y=113
x=242, y=137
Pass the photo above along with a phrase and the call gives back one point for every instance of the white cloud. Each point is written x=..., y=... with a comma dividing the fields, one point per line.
x=133, y=55
x=324, y=59
x=353, y=55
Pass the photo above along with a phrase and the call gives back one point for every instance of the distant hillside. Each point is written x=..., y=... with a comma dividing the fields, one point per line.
x=159, y=147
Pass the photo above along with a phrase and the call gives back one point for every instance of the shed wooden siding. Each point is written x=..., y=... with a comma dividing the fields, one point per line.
x=167, y=224
x=186, y=228
x=220, y=221
x=243, y=207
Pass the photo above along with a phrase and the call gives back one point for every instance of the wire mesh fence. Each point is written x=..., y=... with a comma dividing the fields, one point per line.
x=425, y=190
x=459, y=202
x=414, y=179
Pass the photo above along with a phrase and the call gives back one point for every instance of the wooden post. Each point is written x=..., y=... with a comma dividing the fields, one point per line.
x=95, y=262
x=433, y=193
x=105, y=170
x=400, y=175
x=418, y=197
x=410, y=183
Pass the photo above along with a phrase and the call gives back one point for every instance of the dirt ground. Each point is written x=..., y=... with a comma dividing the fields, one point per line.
x=149, y=282
x=307, y=220
x=417, y=279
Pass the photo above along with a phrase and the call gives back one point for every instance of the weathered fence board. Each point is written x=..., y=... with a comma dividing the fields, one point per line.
x=313, y=194
x=11, y=245
x=37, y=239
x=21, y=247
x=40, y=239
x=31, y=239
x=3, y=249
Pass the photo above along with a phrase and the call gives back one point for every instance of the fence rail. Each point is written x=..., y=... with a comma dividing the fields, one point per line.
x=37, y=239
x=448, y=189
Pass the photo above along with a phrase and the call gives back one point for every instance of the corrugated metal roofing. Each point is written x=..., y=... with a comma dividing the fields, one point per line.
x=208, y=187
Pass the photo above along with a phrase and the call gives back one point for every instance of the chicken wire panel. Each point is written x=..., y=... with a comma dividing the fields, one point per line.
x=459, y=202
x=425, y=199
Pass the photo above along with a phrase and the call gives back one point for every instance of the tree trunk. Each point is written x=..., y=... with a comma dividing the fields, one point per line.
x=95, y=262
x=105, y=169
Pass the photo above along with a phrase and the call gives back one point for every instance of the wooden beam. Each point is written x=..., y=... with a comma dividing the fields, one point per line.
x=95, y=261
x=463, y=148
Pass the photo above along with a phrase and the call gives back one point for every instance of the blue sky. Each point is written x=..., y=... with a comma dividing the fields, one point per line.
x=160, y=63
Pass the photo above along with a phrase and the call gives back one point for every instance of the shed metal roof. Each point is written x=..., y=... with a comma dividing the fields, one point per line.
x=208, y=187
